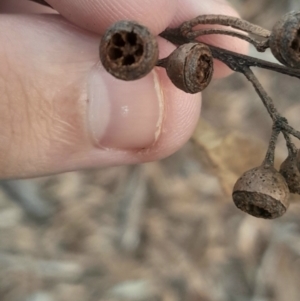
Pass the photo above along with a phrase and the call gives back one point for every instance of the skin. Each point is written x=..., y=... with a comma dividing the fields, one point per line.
x=45, y=63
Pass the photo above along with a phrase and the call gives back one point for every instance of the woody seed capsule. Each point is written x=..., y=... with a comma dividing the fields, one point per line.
x=285, y=40
x=128, y=50
x=262, y=192
x=190, y=67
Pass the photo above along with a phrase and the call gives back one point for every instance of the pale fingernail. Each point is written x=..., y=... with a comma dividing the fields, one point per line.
x=122, y=114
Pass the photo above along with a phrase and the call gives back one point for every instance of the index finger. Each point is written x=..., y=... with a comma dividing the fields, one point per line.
x=97, y=15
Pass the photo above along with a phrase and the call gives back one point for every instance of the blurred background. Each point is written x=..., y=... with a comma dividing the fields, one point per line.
x=168, y=230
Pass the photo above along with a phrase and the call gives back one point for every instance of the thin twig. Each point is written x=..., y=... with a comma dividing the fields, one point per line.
x=162, y=62
x=233, y=60
x=42, y=2
x=237, y=62
x=266, y=99
x=269, y=158
x=268, y=103
x=260, y=46
x=289, y=144
x=287, y=128
x=233, y=22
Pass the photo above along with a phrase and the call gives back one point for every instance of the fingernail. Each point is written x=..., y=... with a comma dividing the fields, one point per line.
x=124, y=115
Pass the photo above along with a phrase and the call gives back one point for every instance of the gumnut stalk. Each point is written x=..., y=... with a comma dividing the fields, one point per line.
x=290, y=171
x=190, y=67
x=285, y=40
x=128, y=50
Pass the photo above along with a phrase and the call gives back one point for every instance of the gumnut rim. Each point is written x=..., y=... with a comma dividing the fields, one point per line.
x=190, y=67
x=262, y=192
x=128, y=50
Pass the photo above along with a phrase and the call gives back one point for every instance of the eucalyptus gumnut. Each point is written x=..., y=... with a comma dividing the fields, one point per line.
x=262, y=192
x=190, y=67
x=290, y=171
x=128, y=50
x=285, y=40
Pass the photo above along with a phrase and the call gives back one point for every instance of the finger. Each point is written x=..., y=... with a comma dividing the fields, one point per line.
x=23, y=6
x=60, y=111
x=97, y=15
x=188, y=9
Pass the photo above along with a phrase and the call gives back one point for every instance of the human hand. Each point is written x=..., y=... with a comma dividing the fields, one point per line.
x=61, y=111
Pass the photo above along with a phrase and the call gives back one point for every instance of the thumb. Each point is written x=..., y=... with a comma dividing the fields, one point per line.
x=61, y=111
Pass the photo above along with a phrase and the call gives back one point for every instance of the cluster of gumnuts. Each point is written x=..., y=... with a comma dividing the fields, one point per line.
x=129, y=51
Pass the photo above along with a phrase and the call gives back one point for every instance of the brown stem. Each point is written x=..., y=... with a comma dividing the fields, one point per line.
x=287, y=128
x=289, y=144
x=174, y=36
x=162, y=62
x=280, y=121
x=233, y=60
x=266, y=99
x=260, y=46
x=269, y=104
x=270, y=155
x=225, y=21
x=42, y=2
x=237, y=62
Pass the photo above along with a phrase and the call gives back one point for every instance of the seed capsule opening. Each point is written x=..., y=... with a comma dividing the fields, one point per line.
x=296, y=42
x=125, y=48
x=258, y=204
x=128, y=50
x=117, y=40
